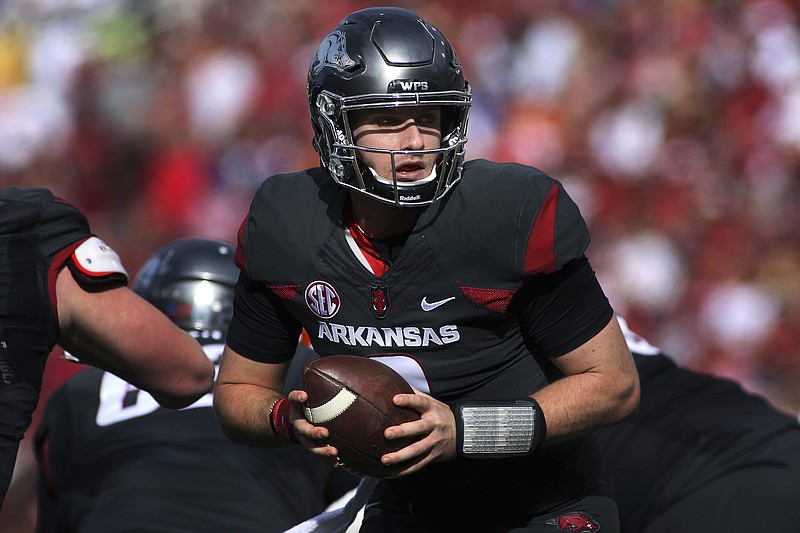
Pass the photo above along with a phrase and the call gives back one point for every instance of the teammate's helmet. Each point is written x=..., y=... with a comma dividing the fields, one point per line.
x=192, y=281
x=387, y=57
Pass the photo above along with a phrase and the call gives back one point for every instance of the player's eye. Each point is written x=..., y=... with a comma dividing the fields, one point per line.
x=429, y=119
x=387, y=121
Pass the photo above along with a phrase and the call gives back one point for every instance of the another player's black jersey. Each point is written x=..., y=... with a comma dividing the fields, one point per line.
x=447, y=314
x=38, y=232
x=690, y=429
x=114, y=460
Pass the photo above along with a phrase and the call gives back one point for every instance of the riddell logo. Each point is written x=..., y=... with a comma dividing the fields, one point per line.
x=410, y=198
x=322, y=299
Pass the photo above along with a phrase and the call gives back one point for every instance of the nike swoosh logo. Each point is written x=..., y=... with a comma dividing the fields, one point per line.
x=426, y=306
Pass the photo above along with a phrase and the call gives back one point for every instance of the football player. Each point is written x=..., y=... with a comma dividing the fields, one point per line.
x=59, y=283
x=701, y=454
x=113, y=460
x=471, y=275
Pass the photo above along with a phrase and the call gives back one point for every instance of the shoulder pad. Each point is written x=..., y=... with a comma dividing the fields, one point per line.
x=95, y=261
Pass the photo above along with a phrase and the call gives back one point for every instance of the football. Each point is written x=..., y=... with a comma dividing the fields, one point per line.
x=351, y=396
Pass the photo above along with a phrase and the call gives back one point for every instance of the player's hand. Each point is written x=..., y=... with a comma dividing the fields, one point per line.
x=311, y=436
x=435, y=434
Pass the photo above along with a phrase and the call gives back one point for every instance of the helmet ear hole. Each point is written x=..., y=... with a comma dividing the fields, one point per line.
x=387, y=58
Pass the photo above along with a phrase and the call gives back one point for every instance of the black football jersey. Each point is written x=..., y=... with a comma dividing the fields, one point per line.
x=38, y=232
x=443, y=314
x=114, y=460
x=690, y=429
x=38, y=235
x=445, y=300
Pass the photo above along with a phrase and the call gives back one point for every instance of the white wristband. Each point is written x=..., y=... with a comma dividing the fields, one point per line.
x=499, y=429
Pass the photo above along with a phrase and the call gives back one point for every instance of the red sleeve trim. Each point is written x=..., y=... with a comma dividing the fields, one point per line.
x=540, y=252
x=58, y=261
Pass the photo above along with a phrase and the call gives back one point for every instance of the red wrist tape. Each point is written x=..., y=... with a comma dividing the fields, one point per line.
x=279, y=419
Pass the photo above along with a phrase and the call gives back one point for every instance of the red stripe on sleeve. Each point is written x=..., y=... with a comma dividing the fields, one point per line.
x=58, y=261
x=540, y=252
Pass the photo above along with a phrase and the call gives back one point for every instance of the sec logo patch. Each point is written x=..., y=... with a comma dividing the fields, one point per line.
x=322, y=299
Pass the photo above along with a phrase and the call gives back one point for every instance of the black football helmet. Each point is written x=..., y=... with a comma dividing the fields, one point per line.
x=387, y=57
x=192, y=281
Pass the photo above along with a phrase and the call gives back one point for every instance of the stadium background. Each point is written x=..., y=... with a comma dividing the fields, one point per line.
x=675, y=125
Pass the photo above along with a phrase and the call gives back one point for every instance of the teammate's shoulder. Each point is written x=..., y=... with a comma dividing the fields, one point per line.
x=26, y=208
x=52, y=222
x=27, y=194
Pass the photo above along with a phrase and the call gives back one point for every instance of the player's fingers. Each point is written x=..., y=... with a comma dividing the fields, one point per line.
x=304, y=429
x=409, y=429
x=327, y=454
x=297, y=396
x=416, y=401
x=408, y=459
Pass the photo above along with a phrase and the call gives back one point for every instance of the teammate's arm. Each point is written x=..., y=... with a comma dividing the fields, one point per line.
x=120, y=332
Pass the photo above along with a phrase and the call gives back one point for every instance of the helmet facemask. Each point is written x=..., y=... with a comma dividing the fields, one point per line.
x=348, y=169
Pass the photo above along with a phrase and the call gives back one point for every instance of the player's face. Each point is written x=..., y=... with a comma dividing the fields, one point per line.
x=401, y=128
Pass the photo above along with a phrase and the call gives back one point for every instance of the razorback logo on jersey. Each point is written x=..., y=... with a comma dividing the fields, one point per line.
x=380, y=300
x=322, y=299
x=575, y=522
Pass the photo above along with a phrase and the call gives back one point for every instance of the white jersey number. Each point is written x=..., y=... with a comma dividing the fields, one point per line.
x=120, y=401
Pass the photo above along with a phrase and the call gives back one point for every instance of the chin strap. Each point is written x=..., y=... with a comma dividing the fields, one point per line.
x=498, y=429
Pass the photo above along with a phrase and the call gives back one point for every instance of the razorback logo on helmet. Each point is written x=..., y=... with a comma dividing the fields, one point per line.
x=576, y=522
x=322, y=299
x=332, y=53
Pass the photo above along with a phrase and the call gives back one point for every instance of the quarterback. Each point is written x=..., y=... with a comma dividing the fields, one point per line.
x=470, y=277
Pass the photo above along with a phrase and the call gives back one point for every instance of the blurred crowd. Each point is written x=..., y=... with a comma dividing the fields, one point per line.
x=675, y=125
